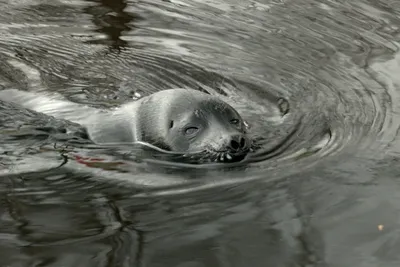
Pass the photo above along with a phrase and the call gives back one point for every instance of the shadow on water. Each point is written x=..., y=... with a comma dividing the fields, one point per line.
x=317, y=81
x=112, y=20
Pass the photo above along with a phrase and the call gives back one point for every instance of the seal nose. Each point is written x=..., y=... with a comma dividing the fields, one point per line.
x=237, y=143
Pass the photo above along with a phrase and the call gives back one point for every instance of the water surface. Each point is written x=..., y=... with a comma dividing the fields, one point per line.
x=318, y=80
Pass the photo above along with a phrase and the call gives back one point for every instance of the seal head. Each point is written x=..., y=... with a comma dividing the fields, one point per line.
x=190, y=121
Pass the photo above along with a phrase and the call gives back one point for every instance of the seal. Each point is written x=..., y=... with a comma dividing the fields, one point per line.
x=178, y=120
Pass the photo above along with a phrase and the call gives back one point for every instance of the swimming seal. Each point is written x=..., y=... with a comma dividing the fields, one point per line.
x=179, y=120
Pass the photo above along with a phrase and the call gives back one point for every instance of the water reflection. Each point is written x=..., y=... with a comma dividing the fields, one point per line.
x=112, y=20
x=66, y=217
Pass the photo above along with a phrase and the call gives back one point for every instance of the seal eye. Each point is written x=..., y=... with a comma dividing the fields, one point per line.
x=191, y=130
x=235, y=121
x=171, y=124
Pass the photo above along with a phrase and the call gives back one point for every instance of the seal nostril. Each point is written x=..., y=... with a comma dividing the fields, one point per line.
x=242, y=142
x=234, y=145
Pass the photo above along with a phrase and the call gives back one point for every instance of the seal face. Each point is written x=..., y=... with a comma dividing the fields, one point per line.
x=192, y=121
x=178, y=120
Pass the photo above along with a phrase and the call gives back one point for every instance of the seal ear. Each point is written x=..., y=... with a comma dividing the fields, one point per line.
x=201, y=89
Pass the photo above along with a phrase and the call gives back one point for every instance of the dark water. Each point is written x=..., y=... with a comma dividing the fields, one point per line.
x=318, y=80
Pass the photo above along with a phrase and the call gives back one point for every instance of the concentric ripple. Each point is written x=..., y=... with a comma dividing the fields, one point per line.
x=316, y=67
x=316, y=81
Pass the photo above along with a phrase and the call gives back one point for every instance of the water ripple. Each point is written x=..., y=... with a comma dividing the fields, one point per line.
x=315, y=80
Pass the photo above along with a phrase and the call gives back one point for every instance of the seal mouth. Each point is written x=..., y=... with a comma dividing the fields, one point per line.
x=225, y=156
x=228, y=156
x=234, y=157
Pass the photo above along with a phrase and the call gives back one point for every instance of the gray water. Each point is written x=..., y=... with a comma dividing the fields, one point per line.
x=318, y=80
